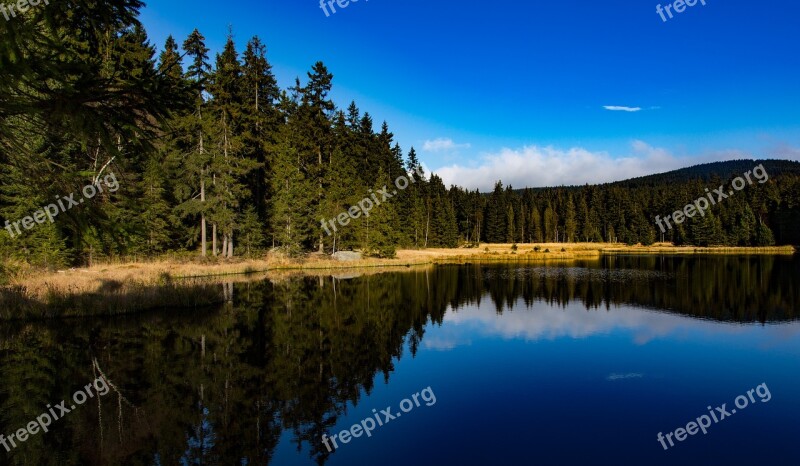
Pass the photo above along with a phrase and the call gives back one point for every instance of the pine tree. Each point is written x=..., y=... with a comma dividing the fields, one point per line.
x=478, y=204
x=342, y=193
x=260, y=93
x=62, y=81
x=584, y=228
x=155, y=209
x=511, y=228
x=745, y=230
x=550, y=224
x=764, y=236
x=418, y=191
x=706, y=231
x=570, y=221
x=170, y=62
x=382, y=224
x=522, y=223
x=443, y=227
x=496, y=216
x=642, y=230
x=195, y=164
x=313, y=127
x=171, y=149
x=536, y=232
x=251, y=232
x=228, y=166
x=291, y=202
x=594, y=228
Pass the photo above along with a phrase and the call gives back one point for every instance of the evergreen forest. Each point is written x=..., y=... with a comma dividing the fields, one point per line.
x=215, y=159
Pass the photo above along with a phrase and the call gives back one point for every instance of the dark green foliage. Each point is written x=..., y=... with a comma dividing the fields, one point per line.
x=82, y=69
x=380, y=237
x=219, y=160
x=496, y=216
x=758, y=215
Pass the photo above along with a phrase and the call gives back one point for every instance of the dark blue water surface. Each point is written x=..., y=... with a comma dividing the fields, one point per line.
x=551, y=384
x=571, y=364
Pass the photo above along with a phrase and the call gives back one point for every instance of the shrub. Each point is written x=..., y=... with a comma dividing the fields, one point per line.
x=383, y=252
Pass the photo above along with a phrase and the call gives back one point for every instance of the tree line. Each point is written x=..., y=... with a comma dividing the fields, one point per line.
x=214, y=158
x=759, y=215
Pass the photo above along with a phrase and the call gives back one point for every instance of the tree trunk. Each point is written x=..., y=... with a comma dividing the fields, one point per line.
x=203, y=215
x=321, y=236
x=214, y=238
x=203, y=196
x=427, y=228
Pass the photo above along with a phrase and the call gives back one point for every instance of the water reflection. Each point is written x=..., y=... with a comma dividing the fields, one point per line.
x=287, y=359
x=540, y=320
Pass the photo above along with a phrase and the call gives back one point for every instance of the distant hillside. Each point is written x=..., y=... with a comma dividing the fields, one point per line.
x=705, y=173
x=709, y=171
x=632, y=211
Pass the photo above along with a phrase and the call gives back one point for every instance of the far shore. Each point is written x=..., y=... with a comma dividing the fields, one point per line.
x=116, y=288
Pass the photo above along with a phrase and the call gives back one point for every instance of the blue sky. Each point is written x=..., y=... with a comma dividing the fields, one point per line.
x=519, y=90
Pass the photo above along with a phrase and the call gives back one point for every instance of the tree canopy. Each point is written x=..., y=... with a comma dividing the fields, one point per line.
x=213, y=158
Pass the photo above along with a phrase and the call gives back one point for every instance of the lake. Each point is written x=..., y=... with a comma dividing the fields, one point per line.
x=486, y=364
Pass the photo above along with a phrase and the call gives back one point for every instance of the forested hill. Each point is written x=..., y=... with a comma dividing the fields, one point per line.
x=710, y=171
x=759, y=214
x=109, y=149
x=707, y=173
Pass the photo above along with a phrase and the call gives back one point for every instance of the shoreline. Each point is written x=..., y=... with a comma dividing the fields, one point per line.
x=127, y=287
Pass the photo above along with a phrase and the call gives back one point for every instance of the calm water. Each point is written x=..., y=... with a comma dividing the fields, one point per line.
x=528, y=365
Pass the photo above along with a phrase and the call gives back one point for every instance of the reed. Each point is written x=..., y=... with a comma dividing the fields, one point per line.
x=114, y=298
x=181, y=282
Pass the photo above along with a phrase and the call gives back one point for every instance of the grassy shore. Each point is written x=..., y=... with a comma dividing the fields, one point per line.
x=116, y=288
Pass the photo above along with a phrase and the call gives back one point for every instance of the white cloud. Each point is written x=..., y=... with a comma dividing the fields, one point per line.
x=783, y=151
x=549, y=166
x=536, y=166
x=618, y=108
x=443, y=145
x=543, y=321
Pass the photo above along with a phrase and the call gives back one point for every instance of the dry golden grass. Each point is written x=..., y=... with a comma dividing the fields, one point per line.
x=504, y=252
x=117, y=288
x=666, y=248
x=157, y=272
x=128, y=287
